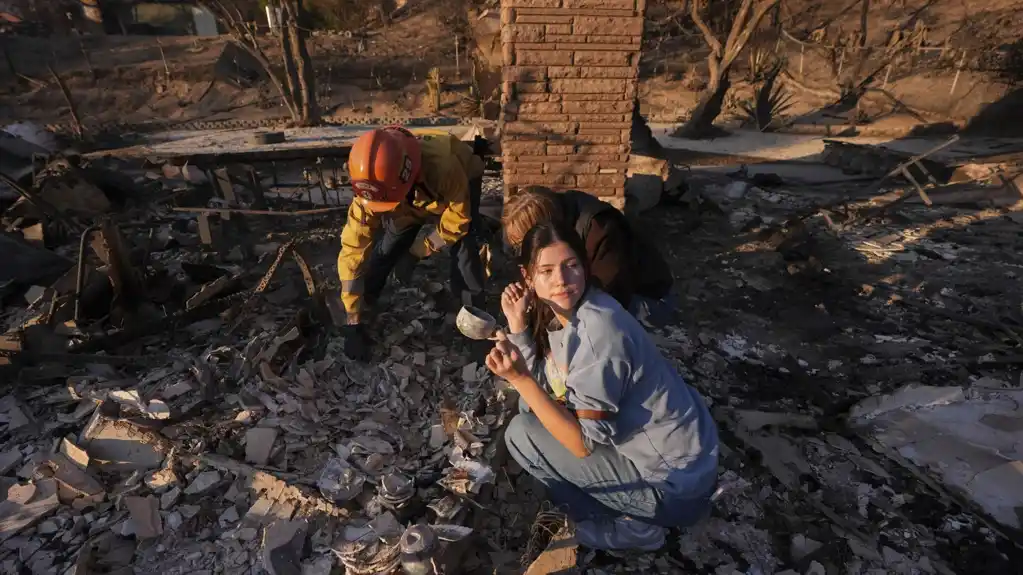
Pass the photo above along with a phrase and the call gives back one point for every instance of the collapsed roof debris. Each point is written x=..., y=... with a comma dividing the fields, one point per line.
x=184, y=404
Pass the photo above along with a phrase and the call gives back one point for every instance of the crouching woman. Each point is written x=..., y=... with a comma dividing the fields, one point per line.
x=609, y=426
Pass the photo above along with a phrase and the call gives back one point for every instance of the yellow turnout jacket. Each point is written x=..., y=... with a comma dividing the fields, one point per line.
x=442, y=191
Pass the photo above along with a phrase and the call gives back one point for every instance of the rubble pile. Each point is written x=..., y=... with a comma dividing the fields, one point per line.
x=176, y=405
x=176, y=414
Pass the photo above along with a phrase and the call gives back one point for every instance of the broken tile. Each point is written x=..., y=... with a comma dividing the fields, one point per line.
x=145, y=516
x=75, y=454
x=9, y=460
x=203, y=482
x=258, y=444
x=27, y=505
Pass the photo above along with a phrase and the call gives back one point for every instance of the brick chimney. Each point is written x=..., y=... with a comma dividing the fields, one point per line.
x=570, y=77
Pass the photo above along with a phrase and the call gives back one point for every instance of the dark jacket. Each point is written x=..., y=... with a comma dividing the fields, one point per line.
x=622, y=261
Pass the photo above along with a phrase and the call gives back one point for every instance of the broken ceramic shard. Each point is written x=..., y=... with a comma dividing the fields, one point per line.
x=370, y=548
x=339, y=481
x=446, y=507
x=419, y=545
x=467, y=476
x=396, y=491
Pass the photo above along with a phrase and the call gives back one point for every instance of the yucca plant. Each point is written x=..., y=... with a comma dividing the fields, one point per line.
x=433, y=88
x=771, y=101
x=761, y=65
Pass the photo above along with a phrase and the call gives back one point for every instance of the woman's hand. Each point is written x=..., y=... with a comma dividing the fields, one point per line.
x=515, y=302
x=506, y=362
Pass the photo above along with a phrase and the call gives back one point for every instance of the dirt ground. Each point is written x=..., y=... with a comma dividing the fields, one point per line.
x=381, y=71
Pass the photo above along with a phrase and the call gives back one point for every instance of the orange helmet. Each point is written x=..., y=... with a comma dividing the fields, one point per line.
x=383, y=165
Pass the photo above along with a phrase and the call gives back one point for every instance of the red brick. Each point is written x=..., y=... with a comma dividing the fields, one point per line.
x=609, y=118
x=507, y=16
x=559, y=29
x=530, y=87
x=606, y=4
x=538, y=127
x=543, y=57
x=609, y=26
x=544, y=118
x=597, y=107
x=577, y=12
x=597, y=139
x=599, y=130
x=524, y=73
x=560, y=149
x=540, y=180
x=566, y=38
x=592, y=46
x=571, y=168
x=631, y=89
x=543, y=159
x=541, y=18
x=536, y=46
x=600, y=180
x=602, y=149
x=533, y=97
x=592, y=97
x=540, y=108
x=532, y=148
x=602, y=192
x=614, y=39
x=623, y=73
x=525, y=169
x=522, y=33
x=532, y=3
x=600, y=127
x=586, y=86
x=603, y=58
x=592, y=72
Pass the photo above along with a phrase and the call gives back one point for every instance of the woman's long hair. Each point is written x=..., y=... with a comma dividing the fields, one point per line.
x=523, y=211
x=536, y=239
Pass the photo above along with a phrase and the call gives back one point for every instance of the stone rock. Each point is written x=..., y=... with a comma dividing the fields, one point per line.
x=803, y=546
x=122, y=445
x=26, y=505
x=145, y=516
x=228, y=517
x=259, y=441
x=9, y=460
x=170, y=498
x=283, y=543
x=816, y=569
x=174, y=520
x=911, y=396
x=203, y=482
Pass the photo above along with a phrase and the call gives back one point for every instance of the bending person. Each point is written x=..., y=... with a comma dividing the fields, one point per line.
x=401, y=181
x=609, y=426
x=621, y=261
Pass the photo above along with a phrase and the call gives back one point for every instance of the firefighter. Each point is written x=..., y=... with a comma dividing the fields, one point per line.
x=400, y=181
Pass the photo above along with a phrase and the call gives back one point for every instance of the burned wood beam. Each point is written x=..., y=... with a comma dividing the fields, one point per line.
x=112, y=250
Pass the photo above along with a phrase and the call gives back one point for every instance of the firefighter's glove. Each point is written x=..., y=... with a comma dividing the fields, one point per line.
x=357, y=344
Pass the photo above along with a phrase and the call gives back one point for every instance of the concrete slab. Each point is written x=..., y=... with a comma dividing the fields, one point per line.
x=969, y=438
x=237, y=146
x=801, y=147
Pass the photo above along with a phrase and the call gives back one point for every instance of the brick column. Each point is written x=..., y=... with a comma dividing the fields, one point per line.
x=570, y=79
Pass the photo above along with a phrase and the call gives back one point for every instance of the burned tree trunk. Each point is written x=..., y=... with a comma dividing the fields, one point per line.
x=297, y=83
x=740, y=26
x=304, y=71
